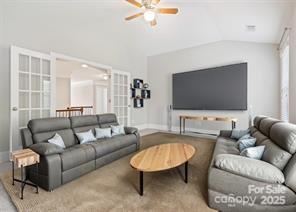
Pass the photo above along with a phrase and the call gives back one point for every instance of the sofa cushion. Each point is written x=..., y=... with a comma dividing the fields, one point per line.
x=284, y=135
x=274, y=155
x=251, y=168
x=82, y=121
x=257, y=120
x=225, y=146
x=266, y=124
x=253, y=152
x=237, y=185
x=77, y=155
x=237, y=134
x=259, y=137
x=45, y=149
x=66, y=134
x=48, y=124
x=106, y=120
x=253, y=130
x=290, y=173
x=107, y=145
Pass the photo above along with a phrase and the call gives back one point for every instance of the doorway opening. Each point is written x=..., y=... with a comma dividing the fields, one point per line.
x=81, y=88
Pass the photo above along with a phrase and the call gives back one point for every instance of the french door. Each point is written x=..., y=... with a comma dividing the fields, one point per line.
x=120, y=99
x=30, y=96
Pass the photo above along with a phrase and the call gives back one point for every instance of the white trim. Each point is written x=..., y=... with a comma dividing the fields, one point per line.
x=66, y=57
x=4, y=156
x=141, y=126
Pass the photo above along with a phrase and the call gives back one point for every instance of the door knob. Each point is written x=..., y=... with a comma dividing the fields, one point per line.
x=14, y=109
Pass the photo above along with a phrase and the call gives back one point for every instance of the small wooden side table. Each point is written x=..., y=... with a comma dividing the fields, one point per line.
x=21, y=159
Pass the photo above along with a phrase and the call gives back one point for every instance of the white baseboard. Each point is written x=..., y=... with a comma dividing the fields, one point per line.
x=4, y=156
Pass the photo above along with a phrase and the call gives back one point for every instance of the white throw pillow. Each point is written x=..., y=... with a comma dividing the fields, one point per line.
x=117, y=130
x=245, y=137
x=253, y=152
x=246, y=143
x=57, y=140
x=103, y=133
x=85, y=137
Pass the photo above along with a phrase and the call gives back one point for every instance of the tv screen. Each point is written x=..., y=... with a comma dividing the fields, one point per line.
x=220, y=88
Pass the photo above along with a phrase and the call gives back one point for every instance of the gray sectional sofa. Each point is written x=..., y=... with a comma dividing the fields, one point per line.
x=76, y=159
x=254, y=185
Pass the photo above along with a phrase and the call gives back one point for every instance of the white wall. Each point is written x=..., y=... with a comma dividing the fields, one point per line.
x=82, y=93
x=292, y=83
x=4, y=85
x=65, y=29
x=63, y=93
x=263, y=79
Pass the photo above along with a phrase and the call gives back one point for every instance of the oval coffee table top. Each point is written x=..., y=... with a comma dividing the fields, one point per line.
x=162, y=157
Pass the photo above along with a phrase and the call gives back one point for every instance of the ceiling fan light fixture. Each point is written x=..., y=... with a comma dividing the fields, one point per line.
x=149, y=15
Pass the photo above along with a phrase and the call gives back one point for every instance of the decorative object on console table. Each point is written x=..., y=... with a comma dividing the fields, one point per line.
x=21, y=159
x=139, y=92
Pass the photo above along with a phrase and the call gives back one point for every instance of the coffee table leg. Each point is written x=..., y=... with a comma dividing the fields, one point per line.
x=141, y=183
x=186, y=172
x=12, y=172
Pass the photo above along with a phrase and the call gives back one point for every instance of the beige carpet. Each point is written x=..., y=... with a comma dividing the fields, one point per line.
x=115, y=187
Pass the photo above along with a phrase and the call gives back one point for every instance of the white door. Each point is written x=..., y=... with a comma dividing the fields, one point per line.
x=120, y=99
x=30, y=90
x=101, y=98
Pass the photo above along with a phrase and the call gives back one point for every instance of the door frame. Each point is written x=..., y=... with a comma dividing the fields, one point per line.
x=112, y=92
x=55, y=56
x=14, y=85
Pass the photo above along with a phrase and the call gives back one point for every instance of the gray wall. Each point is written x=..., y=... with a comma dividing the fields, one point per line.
x=65, y=30
x=263, y=79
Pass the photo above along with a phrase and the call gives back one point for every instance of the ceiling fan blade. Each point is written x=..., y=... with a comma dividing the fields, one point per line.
x=135, y=3
x=155, y=1
x=133, y=16
x=167, y=10
x=153, y=23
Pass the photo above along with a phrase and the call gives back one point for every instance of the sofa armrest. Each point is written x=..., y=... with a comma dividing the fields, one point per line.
x=250, y=168
x=26, y=137
x=45, y=149
x=130, y=130
x=133, y=130
x=225, y=133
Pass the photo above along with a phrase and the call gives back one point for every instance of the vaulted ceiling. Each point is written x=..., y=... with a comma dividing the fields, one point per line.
x=198, y=21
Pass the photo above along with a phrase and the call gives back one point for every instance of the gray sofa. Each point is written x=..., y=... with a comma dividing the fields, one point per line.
x=76, y=159
x=227, y=187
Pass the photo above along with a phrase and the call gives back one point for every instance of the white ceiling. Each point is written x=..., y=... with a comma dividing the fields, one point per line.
x=74, y=71
x=198, y=22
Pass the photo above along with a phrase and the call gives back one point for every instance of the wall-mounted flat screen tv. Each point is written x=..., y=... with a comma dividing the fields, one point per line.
x=220, y=88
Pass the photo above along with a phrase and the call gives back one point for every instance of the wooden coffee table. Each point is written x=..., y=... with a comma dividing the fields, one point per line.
x=162, y=157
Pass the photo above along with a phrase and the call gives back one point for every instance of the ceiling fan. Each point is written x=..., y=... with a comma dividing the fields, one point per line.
x=150, y=9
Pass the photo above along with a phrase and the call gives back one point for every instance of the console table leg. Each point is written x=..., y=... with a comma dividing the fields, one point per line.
x=186, y=172
x=233, y=123
x=22, y=182
x=180, y=125
x=141, y=183
x=12, y=172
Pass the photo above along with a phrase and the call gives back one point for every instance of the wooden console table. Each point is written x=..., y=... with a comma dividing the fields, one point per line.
x=183, y=119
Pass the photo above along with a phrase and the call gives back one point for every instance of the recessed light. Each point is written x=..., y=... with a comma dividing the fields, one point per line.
x=84, y=66
x=251, y=28
x=105, y=77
